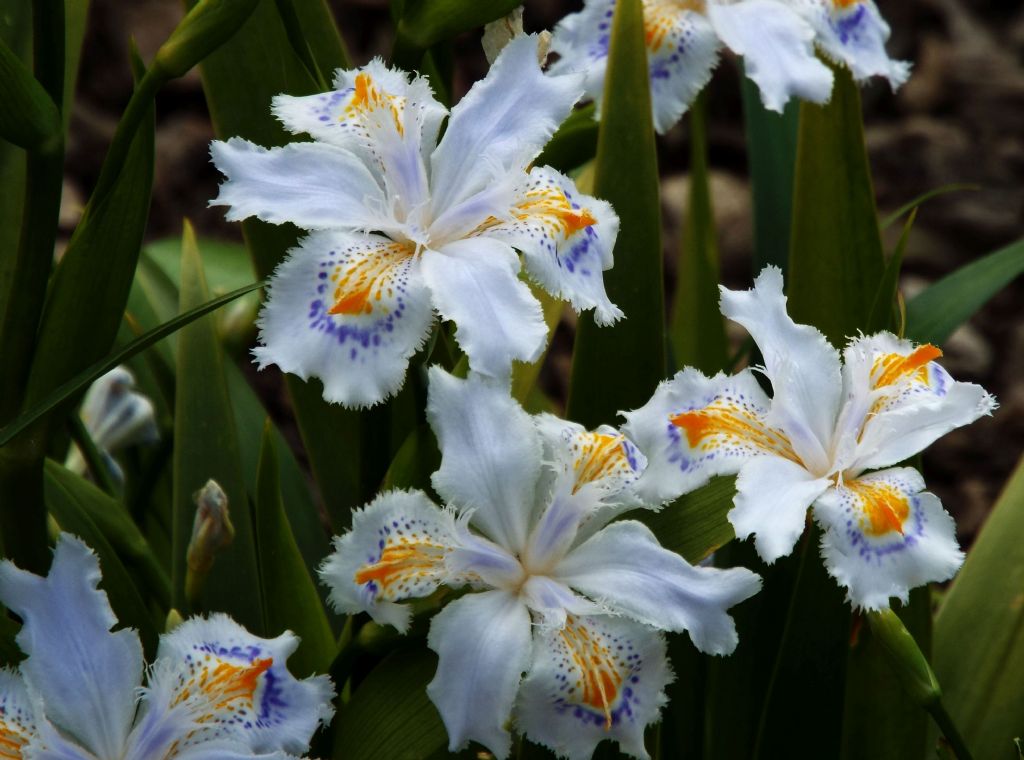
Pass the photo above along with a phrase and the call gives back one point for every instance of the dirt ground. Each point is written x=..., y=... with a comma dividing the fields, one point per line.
x=960, y=119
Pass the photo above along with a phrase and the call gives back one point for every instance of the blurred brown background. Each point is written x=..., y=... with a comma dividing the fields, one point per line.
x=960, y=119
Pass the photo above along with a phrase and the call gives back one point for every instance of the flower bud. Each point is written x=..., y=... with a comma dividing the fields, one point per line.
x=115, y=417
x=174, y=619
x=212, y=531
x=905, y=657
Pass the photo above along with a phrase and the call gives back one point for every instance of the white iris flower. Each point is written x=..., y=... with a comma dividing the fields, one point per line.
x=403, y=226
x=214, y=691
x=684, y=39
x=557, y=593
x=853, y=33
x=821, y=440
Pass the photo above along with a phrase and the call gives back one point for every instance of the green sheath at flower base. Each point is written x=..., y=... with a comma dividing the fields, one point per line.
x=916, y=675
x=906, y=658
x=29, y=118
x=207, y=26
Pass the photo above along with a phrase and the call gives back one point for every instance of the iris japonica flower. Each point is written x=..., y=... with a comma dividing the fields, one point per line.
x=827, y=438
x=402, y=225
x=853, y=33
x=684, y=38
x=116, y=416
x=555, y=591
x=214, y=690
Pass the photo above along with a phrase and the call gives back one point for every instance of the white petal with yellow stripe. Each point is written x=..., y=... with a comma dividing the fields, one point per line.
x=395, y=551
x=885, y=535
x=595, y=678
x=566, y=238
x=350, y=309
x=236, y=690
x=902, y=400
x=696, y=427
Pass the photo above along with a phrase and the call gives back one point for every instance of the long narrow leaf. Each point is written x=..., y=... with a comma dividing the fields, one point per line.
x=80, y=381
x=618, y=367
x=979, y=632
x=934, y=314
x=91, y=285
x=909, y=206
x=697, y=333
x=771, y=152
x=205, y=447
x=390, y=715
x=836, y=259
x=290, y=599
x=239, y=80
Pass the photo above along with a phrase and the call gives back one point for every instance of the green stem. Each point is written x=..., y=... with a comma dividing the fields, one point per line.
x=22, y=515
x=43, y=184
x=44, y=178
x=949, y=730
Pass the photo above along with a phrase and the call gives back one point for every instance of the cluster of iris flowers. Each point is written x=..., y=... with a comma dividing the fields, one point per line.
x=560, y=599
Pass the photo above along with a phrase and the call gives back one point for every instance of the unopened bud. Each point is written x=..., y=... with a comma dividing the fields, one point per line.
x=212, y=532
x=905, y=657
x=174, y=619
x=116, y=417
x=207, y=26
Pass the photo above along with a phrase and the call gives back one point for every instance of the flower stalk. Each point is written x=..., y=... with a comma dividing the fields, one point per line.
x=915, y=674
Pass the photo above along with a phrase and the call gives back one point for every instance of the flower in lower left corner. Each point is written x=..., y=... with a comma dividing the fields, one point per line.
x=214, y=690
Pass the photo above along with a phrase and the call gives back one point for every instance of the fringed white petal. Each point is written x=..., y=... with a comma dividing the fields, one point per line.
x=396, y=550
x=884, y=536
x=593, y=476
x=682, y=51
x=18, y=724
x=900, y=400
x=483, y=644
x=803, y=367
x=237, y=689
x=596, y=678
x=566, y=238
x=777, y=46
x=387, y=118
x=312, y=185
x=580, y=40
x=475, y=283
x=350, y=309
x=500, y=125
x=772, y=497
x=854, y=33
x=696, y=427
x=490, y=454
x=86, y=676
